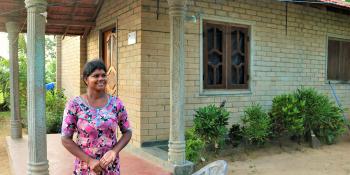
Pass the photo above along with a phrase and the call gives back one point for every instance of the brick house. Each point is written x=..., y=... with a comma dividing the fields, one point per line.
x=167, y=58
x=240, y=51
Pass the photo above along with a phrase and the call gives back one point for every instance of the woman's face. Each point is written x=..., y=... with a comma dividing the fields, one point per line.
x=97, y=80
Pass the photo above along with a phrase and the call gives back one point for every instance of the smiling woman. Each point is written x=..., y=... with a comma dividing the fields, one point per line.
x=95, y=116
x=4, y=51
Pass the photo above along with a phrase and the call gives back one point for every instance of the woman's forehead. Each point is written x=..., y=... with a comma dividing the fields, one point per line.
x=98, y=71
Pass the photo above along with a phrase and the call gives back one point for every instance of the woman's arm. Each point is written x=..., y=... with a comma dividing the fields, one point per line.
x=124, y=140
x=73, y=148
x=110, y=156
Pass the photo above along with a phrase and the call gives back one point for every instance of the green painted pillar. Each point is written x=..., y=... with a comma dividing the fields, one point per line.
x=176, y=154
x=37, y=159
x=12, y=29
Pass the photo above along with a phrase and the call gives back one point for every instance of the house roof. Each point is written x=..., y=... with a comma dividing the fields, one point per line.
x=77, y=17
x=332, y=5
x=337, y=3
x=64, y=17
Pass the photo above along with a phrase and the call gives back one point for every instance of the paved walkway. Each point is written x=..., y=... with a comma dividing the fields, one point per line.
x=61, y=161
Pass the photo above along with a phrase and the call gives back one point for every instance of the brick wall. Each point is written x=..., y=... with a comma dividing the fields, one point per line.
x=73, y=60
x=155, y=51
x=125, y=16
x=83, y=59
x=279, y=62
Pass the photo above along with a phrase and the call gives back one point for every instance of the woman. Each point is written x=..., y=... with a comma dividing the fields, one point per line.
x=95, y=117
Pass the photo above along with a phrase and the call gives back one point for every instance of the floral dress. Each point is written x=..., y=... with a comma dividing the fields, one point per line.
x=96, y=130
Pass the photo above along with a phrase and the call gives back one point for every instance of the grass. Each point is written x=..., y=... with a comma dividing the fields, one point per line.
x=4, y=131
x=4, y=121
x=5, y=115
x=1, y=97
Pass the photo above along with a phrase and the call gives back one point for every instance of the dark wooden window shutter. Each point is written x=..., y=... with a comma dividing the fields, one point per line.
x=333, y=59
x=338, y=60
x=345, y=52
x=225, y=56
x=214, y=56
x=238, y=58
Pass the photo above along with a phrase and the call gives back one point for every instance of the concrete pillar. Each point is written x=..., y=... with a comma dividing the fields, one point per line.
x=176, y=154
x=12, y=29
x=37, y=159
x=59, y=62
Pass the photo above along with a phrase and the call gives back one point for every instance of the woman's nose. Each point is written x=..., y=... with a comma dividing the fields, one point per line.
x=102, y=77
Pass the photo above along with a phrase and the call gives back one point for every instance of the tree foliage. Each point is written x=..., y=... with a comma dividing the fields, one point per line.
x=4, y=84
x=50, y=70
x=50, y=59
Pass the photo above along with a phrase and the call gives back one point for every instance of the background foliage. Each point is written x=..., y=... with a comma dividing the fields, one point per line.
x=55, y=100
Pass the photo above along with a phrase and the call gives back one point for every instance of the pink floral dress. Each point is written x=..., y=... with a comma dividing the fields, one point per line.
x=96, y=130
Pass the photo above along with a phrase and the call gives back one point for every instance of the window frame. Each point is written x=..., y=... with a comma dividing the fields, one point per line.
x=226, y=27
x=339, y=39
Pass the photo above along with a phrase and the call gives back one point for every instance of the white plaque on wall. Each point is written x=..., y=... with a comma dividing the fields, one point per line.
x=131, y=38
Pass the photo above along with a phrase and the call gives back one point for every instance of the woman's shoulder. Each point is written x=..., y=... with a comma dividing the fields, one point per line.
x=74, y=101
x=115, y=100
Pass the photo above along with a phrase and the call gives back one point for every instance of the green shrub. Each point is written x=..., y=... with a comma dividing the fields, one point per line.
x=55, y=103
x=331, y=125
x=194, y=146
x=288, y=114
x=235, y=135
x=256, y=125
x=210, y=124
x=4, y=84
x=322, y=115
x=22, y=63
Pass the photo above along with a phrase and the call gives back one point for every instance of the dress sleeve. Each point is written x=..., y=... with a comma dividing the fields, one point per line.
x=122, y=117
x=69, y=121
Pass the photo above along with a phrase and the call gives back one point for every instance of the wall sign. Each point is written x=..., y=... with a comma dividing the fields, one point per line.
x=131, y=38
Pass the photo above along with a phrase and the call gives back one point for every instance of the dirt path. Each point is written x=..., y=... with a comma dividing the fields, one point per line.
x=328, y=160
x=4, y=131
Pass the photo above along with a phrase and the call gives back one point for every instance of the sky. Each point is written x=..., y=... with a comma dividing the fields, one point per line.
x=4, y=45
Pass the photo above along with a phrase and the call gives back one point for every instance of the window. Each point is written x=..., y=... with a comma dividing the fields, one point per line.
x=338, y=60
x=225, y=56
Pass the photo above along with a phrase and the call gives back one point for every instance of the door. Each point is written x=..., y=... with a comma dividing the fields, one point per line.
x=109, y=57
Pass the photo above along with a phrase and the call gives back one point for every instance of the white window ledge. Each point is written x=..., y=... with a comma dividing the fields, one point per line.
x=338, y=81
x=231, y=92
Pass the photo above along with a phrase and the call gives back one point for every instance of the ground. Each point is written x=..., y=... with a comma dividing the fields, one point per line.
x=327, y=160
x=290, y=159
x=4, y=131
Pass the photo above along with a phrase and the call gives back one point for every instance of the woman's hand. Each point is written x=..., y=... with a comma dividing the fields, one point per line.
x=95, y=166
x=108, y=158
